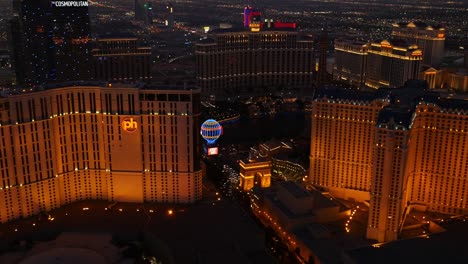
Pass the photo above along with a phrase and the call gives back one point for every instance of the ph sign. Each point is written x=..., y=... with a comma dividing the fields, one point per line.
x=129, y=125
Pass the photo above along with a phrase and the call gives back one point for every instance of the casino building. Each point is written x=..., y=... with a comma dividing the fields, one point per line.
x=350, y=61
x=430, y=39
x=401, y=149
x=52, y=41
x=121, y=59
x=232, y=61
x=390, y=63
x=123, y=144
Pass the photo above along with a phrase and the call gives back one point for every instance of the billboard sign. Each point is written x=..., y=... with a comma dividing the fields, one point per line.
x=213, y=151
x=69, y=3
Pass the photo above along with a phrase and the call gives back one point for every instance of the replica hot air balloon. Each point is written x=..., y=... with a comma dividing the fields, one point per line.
x=211, y=130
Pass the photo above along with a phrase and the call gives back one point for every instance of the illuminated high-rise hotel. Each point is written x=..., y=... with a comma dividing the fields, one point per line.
x=388, y=182
x=437, y=156
x=341, y=142
x=122, y=144
x=400, y=149
x=430, y=39
x=30, y=29
x=392, y=63
x=121, y=59
x=243, y=61
x=52, y=41
x=350, y=61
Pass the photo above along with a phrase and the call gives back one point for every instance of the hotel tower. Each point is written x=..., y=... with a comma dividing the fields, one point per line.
x=120, y=144
x=401, y=149
x=430, y=39
x=231, y=61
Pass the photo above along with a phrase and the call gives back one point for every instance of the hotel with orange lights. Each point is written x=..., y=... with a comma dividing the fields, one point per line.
x=400, y=149
x=121, y=144
x=430, y=39
x=341, y=142
x=390, y=63
x=350, y=61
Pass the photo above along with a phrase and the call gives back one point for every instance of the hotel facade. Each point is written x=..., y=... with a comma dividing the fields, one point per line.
x=350, y=61
x=430, y=39
x=341, y=142
x=120, y=144
x=121, y=59
x=399, y=154
x=230, y=62
x=392, y=63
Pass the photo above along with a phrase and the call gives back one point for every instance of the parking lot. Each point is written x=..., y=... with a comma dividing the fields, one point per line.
x=208, y=230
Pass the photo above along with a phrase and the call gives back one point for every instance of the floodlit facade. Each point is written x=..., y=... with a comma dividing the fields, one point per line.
x=121, y=59
x=400, y=153
x=438, y=156
x=243, y=61
x=430, y=39
x=388, y=184
x=454, y=79
x=435, y=78
x=120, y=144
x=254, y=173
x=350, y=61
x=341, y=142
x=392, y=63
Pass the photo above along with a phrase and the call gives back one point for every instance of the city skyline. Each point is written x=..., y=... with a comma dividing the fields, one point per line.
x=233, y=131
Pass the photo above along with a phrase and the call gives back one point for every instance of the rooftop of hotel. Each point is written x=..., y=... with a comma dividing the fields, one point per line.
x=450, y=103
x=401, y=99
x=327, y=250
x=446, y=247
x=186, y=87
x=212, y=34
x=272, y=144
x=71, y=84
x=295, y=189
x=248, y=30
x=119, y=36
x=335, y=92
x=417, y=24
x=117, y=85
x=351, y=40
x=396, y=42
x=415, y=91
x=403, y=102
x=395, y=117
